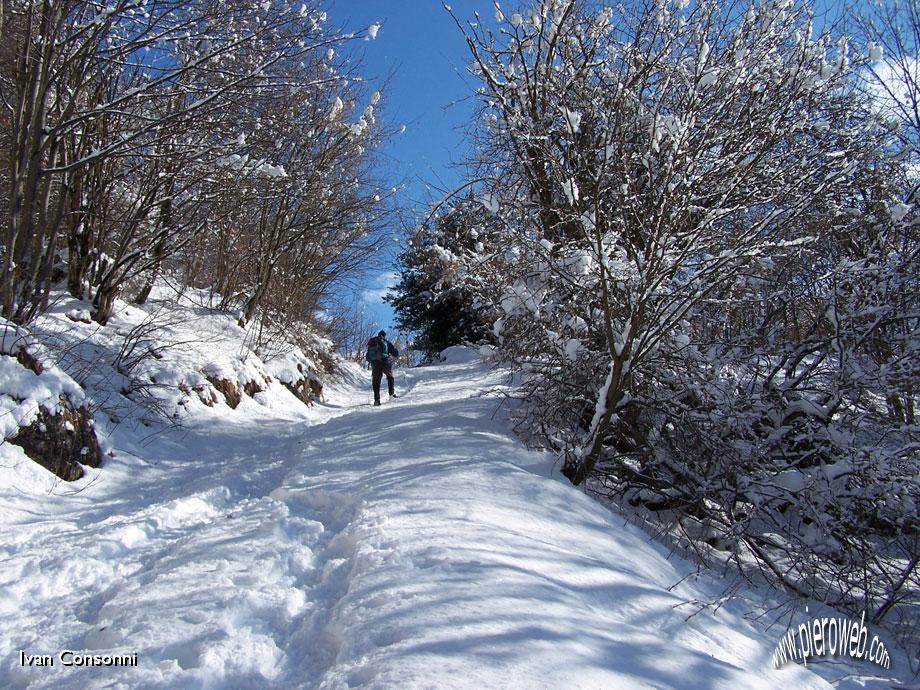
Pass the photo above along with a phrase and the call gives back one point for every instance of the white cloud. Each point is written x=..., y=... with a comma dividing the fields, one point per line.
x=892, y=84
x=381, y=283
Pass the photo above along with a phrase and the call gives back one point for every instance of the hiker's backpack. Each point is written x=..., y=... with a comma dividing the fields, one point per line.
x=375, y=349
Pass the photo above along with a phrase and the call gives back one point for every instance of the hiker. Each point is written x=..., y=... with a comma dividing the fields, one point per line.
x=379, y=351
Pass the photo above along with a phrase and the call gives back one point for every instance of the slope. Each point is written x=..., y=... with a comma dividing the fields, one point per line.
x=413, y=545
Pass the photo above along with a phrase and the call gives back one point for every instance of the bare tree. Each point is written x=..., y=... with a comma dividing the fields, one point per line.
x=664, y=151
x=119, y=114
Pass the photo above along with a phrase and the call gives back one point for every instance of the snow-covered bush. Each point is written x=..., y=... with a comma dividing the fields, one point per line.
x=709, y=280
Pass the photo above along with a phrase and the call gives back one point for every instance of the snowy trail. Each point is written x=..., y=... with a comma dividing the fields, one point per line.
x=407, y=546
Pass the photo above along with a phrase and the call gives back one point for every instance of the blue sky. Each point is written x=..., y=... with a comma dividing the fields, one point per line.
x=421, y=51
x=423, y=54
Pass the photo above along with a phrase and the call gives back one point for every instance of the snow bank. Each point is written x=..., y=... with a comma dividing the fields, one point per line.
x=180, y=353
x=174, y=359
x=460, y=354
x=43, y=413
x=23, y=391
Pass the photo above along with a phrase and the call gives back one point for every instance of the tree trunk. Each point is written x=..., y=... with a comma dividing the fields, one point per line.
x=104, y=303
x=144, y=294
x=620, y=353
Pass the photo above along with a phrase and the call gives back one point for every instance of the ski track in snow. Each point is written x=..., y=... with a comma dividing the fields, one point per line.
x=415, y=545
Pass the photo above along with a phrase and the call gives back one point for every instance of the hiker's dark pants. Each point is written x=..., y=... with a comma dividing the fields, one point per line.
x=378, y=369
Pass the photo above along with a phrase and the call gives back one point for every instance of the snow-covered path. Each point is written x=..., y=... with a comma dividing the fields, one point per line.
x=416, y=545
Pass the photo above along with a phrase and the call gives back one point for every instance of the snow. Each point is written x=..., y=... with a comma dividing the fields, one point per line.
x=709, y=78
x=600, y=407
x=570, y=188
x=414, y=545
x=572, y=347
x=23, y=393
x=14, y=339
x=876, y=52
x=337, y=107
x=459, y=354
x=572, y=119
x=490, y=202
x=372, y=30
x=79, y=315
x=899, y=211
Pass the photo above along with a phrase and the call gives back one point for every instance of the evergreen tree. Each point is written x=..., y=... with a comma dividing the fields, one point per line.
x=430, y=300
